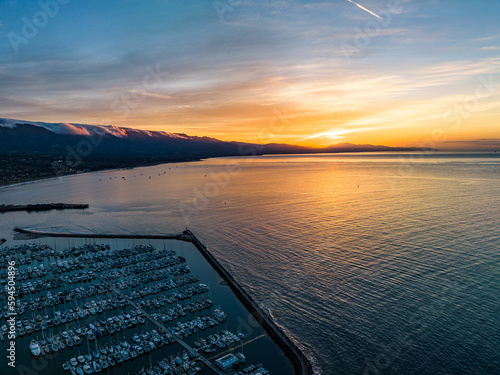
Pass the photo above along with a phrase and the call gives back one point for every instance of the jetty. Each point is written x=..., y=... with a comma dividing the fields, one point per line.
x=42, y=207
x=298, y=358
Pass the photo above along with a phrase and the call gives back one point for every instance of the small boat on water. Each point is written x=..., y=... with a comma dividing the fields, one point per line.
x=111, y=361
x=97, y=367
x=35, y=349
x=124, y=344
x=125, y=355
x=118, y=357
x=104, y=363
x=87, y=369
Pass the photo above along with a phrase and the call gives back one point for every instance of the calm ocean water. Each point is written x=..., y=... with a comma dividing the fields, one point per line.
x=376, y=263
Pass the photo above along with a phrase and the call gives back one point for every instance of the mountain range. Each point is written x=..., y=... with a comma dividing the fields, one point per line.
x=19, y=137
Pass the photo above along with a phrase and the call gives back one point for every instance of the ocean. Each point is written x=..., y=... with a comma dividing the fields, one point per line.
x=375, y=263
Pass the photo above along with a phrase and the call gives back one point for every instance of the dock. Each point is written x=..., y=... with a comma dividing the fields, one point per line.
x=160, y=326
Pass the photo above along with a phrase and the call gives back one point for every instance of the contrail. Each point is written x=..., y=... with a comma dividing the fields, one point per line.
x=367, y=10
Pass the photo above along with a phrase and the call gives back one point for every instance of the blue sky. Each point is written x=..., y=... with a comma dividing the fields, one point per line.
x=410, y=72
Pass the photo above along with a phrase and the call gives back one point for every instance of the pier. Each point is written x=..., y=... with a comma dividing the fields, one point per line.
x=299, y=360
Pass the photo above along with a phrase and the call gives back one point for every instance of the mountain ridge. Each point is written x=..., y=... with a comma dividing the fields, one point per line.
x=19, y=128
x=33, y=150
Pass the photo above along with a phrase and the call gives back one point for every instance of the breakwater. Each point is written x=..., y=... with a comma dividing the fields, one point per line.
x=39, y=233
x=42, y=207
x=298, y=358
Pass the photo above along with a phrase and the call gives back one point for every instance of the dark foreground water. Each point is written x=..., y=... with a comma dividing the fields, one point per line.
x=379, y=263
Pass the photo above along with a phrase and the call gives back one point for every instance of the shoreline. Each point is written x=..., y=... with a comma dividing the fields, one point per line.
x=25, y=181
x=300, y=362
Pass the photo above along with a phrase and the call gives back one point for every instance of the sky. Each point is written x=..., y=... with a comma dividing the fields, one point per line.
x=313, y=73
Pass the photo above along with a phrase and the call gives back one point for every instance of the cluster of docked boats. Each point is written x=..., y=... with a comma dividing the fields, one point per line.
x=168, y=285
x=218, y=340
x=109, y=326
x=253, y=370
x=25, y=253
x=91, y=331
x=185, y=329
x=170, y=298
x=27, y=326
x=48, y=300
x=122, y=351
x=179, y=310
x=131, y=263
x=180, y=364
x=55, y=283
x=152, y=276
x=127, y=259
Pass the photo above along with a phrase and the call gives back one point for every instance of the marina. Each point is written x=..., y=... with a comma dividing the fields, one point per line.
x=98, y=308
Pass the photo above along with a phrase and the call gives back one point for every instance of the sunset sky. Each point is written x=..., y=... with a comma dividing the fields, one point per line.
x=301, y=72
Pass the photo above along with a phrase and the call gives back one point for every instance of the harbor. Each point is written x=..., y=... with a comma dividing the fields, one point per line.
x=132, y=307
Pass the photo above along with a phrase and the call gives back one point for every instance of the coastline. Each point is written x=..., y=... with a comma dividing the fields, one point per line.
x=24, y=181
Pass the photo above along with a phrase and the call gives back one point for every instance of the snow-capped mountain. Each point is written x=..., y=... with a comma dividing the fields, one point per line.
x=64, y=128
x=19, y=137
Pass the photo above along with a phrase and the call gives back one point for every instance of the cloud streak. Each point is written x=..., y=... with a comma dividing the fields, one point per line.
x=366, y=10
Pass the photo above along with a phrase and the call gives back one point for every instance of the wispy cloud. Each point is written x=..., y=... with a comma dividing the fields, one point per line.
x=338, y=133
x=225, y=79
x=366, y=10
